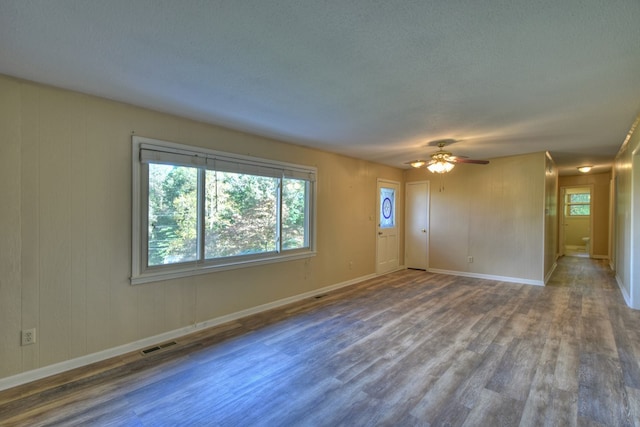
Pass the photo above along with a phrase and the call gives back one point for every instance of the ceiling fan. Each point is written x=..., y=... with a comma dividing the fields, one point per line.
x=443, y=161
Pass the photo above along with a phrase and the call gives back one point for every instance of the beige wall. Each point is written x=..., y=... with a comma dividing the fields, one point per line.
x=626, y=176
x=65, y=227
x=575, y=230
x=600, y=205
x=494, y=213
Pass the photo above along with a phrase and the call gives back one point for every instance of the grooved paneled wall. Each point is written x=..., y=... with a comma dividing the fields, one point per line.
x=65, y=227
x=500, y=214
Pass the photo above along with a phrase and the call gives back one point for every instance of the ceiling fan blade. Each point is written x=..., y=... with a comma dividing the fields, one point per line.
x=441, y=142
x=442, y=156
x=477, y=162
x=419, y=163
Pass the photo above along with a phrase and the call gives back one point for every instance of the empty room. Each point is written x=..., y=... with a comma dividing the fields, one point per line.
x=306, y=213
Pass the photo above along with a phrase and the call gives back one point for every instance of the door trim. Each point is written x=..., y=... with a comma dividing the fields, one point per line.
x=398, y=218
x=406, y=223
x=561, y=232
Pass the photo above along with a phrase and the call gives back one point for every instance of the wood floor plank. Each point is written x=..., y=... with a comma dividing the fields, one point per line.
x=602, y=397
x=470, y=391
x=568, y=364
x=628, y=348
x=539, y=402
x=597, y=337
x=487, y=335
x=634, y=402
x=410, y=348
x=563, y=410
x=443, y=391
x=494, y=409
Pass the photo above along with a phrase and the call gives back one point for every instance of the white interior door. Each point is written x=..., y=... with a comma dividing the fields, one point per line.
x=416, y=225
x=387, y=241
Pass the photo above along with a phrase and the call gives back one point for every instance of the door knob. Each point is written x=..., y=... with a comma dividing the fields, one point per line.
x=424, y=230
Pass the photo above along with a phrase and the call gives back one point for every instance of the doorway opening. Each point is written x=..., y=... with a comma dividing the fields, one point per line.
x=576, y=216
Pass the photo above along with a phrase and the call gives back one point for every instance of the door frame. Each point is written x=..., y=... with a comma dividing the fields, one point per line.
x=379, y=182
x=561, y=233
x=406, y=222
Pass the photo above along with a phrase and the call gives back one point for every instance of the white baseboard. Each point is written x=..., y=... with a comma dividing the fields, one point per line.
x=548, y=276
x=67, y=365
x=625, y=294
x=489, y=277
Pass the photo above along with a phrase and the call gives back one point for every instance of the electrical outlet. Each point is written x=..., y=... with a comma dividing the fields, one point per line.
x=28, y=336
x=469, y=259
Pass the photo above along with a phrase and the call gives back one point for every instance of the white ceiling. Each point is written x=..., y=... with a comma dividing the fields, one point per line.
x=371, y=79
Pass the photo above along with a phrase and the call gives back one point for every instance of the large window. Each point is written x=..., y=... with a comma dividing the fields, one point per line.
x=198, y=210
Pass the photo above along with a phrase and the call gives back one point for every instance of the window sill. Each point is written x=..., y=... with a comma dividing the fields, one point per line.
x=157, y=276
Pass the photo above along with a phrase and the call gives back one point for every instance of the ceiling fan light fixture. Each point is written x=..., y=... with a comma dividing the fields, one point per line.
x=440, y=166
x=584, y=169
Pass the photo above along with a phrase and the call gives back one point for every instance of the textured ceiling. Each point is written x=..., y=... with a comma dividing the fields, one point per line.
x=371, y=79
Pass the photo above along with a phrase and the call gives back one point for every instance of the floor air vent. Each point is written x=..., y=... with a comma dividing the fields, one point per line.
x=157, y=347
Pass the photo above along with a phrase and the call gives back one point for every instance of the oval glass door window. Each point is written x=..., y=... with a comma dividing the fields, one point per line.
x=387, y=207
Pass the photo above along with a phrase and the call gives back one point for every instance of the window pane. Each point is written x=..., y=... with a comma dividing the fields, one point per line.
x=579, y=210
x=580, y=198
x=294, y=198
x=387, y=207
x=173, y=208
x=240, y=214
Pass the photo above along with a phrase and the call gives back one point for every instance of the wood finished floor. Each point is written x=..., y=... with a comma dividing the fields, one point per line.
x=407, y=349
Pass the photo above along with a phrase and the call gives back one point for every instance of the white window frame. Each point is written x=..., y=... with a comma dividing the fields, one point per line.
x=568, y=204
x=142, y=273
